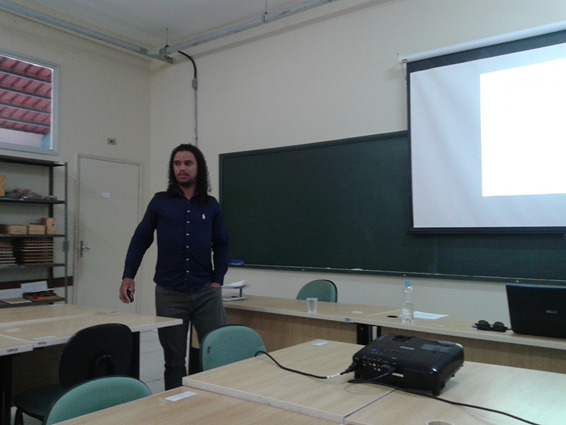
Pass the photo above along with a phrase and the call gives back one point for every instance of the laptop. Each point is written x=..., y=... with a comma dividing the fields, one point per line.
x=537, y=310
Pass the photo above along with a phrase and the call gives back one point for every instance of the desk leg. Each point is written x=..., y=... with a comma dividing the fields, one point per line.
x=135, y=363
x=5, y=389
x=363, y=334
x=193, y=359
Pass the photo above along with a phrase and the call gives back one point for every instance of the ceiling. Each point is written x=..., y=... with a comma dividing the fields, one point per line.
x=155, y=25
x=155, y=28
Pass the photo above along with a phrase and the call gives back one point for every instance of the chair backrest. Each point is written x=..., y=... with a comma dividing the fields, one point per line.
x=96, y=351
x=229, y=344
x=323, y=289
x=94, y=395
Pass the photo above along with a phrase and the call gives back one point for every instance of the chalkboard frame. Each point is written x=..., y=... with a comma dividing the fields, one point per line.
x=299, y=180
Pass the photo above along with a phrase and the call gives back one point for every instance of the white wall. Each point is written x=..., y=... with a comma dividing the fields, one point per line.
x=103, y=93
x=326, y=74
x=333, y=76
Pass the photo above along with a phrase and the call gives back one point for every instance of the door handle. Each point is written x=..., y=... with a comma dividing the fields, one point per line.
x=82, y=248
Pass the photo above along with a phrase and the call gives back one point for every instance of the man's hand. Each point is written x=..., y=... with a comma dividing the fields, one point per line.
x=127, y=284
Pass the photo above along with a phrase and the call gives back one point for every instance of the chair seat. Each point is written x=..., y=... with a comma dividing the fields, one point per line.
x=36, y=402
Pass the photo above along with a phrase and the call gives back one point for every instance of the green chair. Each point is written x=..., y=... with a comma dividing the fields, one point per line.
x=323, y=289
x=229, y=344
x=94, y=395
x=93, y=352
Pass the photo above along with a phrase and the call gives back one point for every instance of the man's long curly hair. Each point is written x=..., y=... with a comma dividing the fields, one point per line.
x=203, y=181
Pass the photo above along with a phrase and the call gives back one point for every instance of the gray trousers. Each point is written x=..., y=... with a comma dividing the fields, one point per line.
x=202, y=308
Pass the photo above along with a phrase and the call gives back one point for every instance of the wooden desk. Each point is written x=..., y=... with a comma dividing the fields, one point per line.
x=200, y=408
x=502, y=348
x=9, y=345
x=533, y=395
x=261, y=381
x=52, y=325
x=283, y=322
x=41, y=313
x=55, y=332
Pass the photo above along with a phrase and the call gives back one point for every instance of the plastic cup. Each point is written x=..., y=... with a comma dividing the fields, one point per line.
x=312, y=304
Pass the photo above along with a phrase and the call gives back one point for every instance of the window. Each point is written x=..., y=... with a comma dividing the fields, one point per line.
x=28, y=104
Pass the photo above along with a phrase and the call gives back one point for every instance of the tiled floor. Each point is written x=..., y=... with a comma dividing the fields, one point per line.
x=151, y=367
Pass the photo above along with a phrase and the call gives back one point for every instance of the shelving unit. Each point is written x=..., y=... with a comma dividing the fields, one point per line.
x=38, y=244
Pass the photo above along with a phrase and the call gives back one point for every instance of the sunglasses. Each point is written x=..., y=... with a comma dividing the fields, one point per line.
x=483, y=325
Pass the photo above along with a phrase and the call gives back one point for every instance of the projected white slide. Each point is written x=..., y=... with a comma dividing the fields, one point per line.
x=488, y=142
x=523, y=130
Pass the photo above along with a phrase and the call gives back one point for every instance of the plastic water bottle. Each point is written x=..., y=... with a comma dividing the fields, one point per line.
x=407, y=313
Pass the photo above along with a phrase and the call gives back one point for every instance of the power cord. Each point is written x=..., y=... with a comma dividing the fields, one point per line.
x=457, y=403
x=389, y=371
x=351, y=368
x=376, y=379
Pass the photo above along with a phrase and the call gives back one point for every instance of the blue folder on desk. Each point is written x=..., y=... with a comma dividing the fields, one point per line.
x=537, y=310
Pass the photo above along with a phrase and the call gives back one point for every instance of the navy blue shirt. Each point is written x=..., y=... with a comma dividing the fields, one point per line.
x=192, y=242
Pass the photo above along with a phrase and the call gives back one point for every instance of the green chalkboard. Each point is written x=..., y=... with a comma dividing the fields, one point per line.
x=345, y=205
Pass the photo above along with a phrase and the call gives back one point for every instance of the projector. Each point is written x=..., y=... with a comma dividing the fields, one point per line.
x=413, y=362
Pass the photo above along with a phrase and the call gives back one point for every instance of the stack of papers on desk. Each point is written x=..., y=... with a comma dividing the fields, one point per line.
x=428, y=316
x=235, y=285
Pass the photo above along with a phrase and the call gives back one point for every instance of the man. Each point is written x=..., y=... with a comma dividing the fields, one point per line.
x=192, y=257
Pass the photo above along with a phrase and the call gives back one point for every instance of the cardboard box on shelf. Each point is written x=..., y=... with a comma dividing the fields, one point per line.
x=36, y=229
x=13, y=229
x=2, y=186
x=50, y=224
